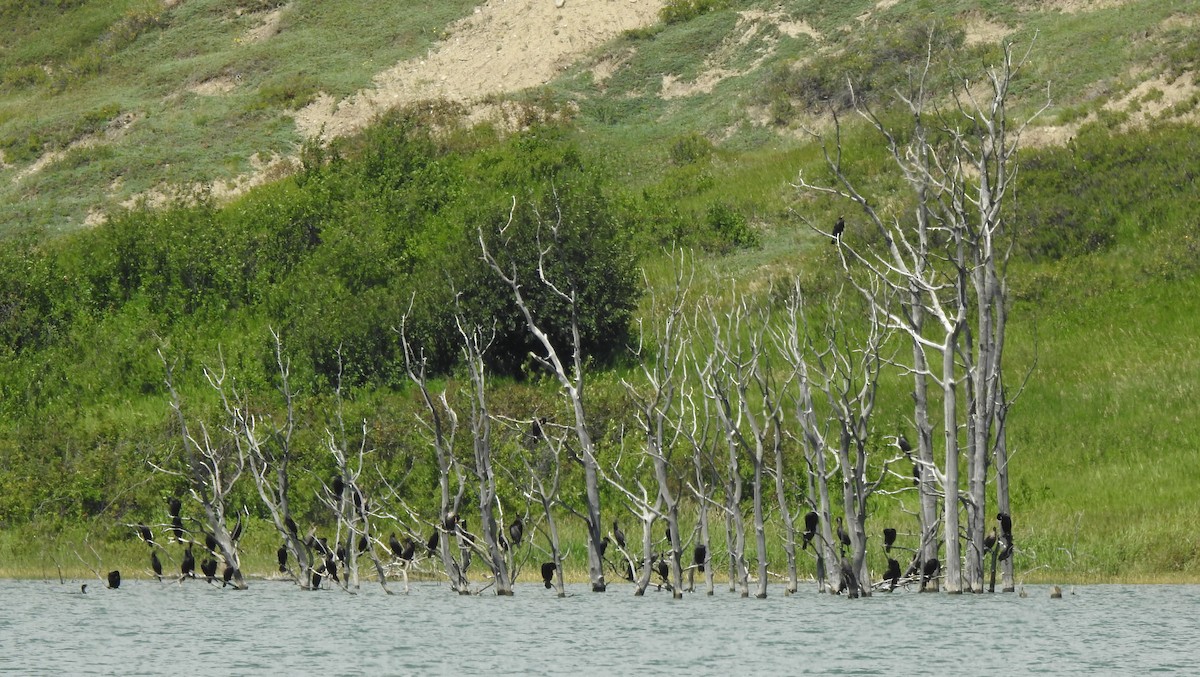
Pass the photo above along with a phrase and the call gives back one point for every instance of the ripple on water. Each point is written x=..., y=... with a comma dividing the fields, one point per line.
x=147, y=628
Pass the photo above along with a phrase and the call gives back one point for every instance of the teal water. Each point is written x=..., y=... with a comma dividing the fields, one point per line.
x=150, y=628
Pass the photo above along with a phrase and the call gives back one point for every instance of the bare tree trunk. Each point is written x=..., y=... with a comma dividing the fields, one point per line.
x=573, y=387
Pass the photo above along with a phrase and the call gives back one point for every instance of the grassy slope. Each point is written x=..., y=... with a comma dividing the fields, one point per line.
x=1104, y=433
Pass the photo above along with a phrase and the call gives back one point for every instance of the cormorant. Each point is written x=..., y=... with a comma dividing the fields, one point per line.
x=282, y=555
x=173, y=506
x=811, y=520
x=432, y=544
x=892, y=574
x=547, y=573
x=664, y=569
x=1005, y=526
x=156, y=565
x=114, y=579
x=603, y=546
x=903, y=443
x=83, y=589
x=700, y=556
x=889, y=537
x=410, y=549
x=516, y=531
x=619, y=535
x=450, y=522
x=363, y=544
x=838, y=228
x=841, y=532
x=316, y=580
x=144, y=532
x=188, y=567
x=227, y=575
x=932, y=565
x=331, y=569
x=177, y=527
x=989, y=541
x=291, y=526
x=338, y=486
x=394, y=545
x=210, y=542
x=209, y=568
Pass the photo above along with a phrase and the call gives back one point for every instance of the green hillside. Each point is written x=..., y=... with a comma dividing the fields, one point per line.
x=117, y=119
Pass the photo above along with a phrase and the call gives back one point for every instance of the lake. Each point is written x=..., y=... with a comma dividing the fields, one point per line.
x=151, y=628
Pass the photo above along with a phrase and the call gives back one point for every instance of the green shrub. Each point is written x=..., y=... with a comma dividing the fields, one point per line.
x=677, y=11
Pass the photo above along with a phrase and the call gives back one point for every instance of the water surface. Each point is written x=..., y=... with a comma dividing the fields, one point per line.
x=151, y=628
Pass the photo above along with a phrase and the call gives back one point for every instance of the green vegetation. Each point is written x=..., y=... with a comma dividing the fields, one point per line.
x=1105, y=278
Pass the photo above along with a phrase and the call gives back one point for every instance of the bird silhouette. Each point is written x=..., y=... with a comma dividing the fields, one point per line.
x=892, y=574
x=811, y=520
x=282, y=556
x=547, y=573
x=700, y=556
x=188, y=566
x=227, y=575
x=114, y=579
x=618, y=535
x=209, y=568
x=516, y=531
x=932, y=566
x=338, y=486
x=889, y=537
x=841, y=532
x=838, y=228
x=156, y=565
x=144, y=532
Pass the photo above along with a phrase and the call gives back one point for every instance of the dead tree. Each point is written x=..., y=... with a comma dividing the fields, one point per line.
x=794, y=343
x=541, y=482
x=961, y=167
x=441, y=427
x=267, y=449
x=474, y=347
x=695, y=426
x=570, y=377
x=345, y=496
x=655, y=403
x=211, y=468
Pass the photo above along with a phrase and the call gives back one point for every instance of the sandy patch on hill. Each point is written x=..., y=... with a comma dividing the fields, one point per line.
x=751, y=25
x=505, y=46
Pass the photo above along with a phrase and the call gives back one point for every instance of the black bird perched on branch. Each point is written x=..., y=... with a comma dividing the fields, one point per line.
x=210, y=542
x=892, y=574
x=432, y=544
x=177, y=528
x=209, y=568
x=394, y=545
x=663, y=569
x=603, y=546
x=1005, y=526
x=282, y=556
x=902, y=442
x=838, y=228
x=227, y=575
x=619, y=535
x=363, y=544
x=841, y=532
x=410, y=549
x=155, y=565
x=316, y=580
x=291, y=526
x=700, y=556
x=516, y=531
x=932, y=566
x=114, y=579
x=338, y=486
x=989, y=541
x=331, y=569
x=811, y=520
x=173, y=506
x=144, y=532
x=889, y=537
x=188, y=566
x=547, y=573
